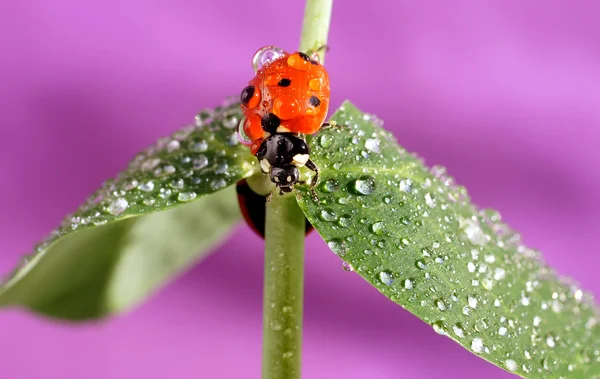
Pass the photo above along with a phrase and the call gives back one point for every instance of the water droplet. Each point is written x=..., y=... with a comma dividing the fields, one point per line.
x=472, y=300
x=222, y=168
x=499, y=273
x=328, y=215
x=439, y=328
x=386, y=278
x=377, y=228
x=430, y=201
x=330, y=185
x=168, y=170
x=325, y=140
x=186, y=196
x=265, y=56
x=118, y=206
x=173, y=145
x=550, y=340
x=347, y=266
x=441, y=305
x=510, y=365
x=178, y=184
x=149, y=201
x=473, y=231
x=372, y=145
x=471, y=267
x=550, y=364
x=217, y=184
x=337, y=246
x=405, y=185
x=275, y=326
x=408, y=284
x=477, y=345
x=421, y=264
x=537, y=320
x=200, y=162
x=147, y=186
x=199, y=147
x=130, y=184
x=365, y=185
x=502, y=331
x=481, y=325
x=345, y=221
x=459, y=330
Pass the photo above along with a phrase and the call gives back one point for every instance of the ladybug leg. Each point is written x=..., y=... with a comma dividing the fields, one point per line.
x=333, y=124
x=315, y=180
x=270, y=196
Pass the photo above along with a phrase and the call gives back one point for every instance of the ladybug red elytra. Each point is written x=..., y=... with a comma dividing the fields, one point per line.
x=287, y=99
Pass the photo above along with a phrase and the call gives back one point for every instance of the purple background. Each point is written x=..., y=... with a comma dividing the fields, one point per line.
x=506, y=94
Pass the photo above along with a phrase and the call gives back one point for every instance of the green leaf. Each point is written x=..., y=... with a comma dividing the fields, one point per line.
x=413, y=234
x=137, y=231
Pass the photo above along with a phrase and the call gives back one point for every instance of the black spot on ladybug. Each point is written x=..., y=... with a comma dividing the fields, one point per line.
x=247, y=94
x=314, y=101
x=284, y=82
x=307, y=58
x=270, y=123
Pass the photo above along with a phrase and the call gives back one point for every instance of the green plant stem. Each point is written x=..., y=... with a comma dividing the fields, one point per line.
x=284, y=246
x=284, y=288
x=315, y=27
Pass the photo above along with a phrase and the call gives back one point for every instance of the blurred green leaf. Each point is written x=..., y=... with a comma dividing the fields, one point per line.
x=413, y=234
x=137, y=231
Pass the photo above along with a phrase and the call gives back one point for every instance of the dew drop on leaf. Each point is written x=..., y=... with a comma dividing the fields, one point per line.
x=146, y=186
x=325, y=141
x=439, y=328
x=217, y=184
x=200, y=162
x=337, y=246
x=386, y=278
x=477, y=345
x=549, y=364
x=345, y=221
x=377, y=228
x=365, y=185
x=441, y=305
x=118, y=206
x=459, y=330
x=510, y=365
x=186, y=196
x=372, y=145
x=330, y=185
x=199, y=147
x=328, y=215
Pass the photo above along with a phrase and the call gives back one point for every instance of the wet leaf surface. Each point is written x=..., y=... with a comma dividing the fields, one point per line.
x=138, y=231
x=413, y=233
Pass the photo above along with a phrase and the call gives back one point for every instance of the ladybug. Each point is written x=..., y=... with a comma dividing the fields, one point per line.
x=287, y=99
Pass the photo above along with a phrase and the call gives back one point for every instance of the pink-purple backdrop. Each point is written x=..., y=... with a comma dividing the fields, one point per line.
x=506, y=94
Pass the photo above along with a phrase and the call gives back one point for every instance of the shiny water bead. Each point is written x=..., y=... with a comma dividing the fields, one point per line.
x=265, y=56
x=299, y=61
x=314, y=84
x=240, y=134
x=253, y=127
x=285, y=107
x=272, y=79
